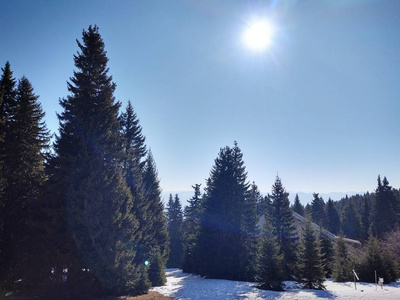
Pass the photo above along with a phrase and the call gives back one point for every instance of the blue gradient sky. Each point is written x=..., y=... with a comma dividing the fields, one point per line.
x=321, y=107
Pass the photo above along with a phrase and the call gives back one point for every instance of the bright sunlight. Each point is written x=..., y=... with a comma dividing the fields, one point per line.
x=258, y=35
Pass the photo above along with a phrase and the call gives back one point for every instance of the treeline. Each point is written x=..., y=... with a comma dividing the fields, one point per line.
x=82, y=217
x=233, y=232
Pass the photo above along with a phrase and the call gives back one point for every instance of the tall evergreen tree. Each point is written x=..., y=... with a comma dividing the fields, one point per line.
x=310, y=264
x=190, y=229
x=156, y=238
x=385, y=210
x=350, y=221
x=175, y=219
x=219, y=248
x=297, y=206
x=87, y=168
x=269, y=266
x=283, y=225
x=26, y=139
x=332, y=217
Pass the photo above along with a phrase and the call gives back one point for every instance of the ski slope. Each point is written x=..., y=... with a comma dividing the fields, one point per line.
x=187, y=286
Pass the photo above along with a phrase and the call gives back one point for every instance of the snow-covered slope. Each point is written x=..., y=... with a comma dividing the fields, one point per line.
x=186, y=286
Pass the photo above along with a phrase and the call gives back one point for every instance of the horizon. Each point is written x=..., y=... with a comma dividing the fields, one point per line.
x=320, y=106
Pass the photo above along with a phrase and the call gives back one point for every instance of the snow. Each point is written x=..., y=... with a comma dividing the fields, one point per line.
x=187, y=286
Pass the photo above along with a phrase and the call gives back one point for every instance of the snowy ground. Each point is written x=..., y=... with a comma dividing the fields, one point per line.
x=186, y=286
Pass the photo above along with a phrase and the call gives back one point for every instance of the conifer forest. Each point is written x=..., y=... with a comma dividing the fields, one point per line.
x=81, y=214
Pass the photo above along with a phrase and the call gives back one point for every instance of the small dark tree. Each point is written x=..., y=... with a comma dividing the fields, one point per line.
x=332, y=217
x=342, y=265
x=310, y=264
x=175, y=218
x=297, y=206
x=318, y=210
x=374, y=260
x=350, y=222
x=269, y=259
x=365, y=218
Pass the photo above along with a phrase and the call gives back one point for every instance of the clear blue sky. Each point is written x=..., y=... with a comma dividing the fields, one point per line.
x=321, y=107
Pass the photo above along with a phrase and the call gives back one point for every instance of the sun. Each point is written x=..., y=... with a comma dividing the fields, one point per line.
x=258, y=35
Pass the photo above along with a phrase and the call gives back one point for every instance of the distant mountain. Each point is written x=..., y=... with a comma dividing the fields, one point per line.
x=305, y=197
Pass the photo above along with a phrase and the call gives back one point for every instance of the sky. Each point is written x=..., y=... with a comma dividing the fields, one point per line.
x=320, y=107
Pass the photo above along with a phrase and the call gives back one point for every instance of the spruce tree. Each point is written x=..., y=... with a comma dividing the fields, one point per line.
x=156, y=239
x=175, y=219
x=297, y=206
x=350, y=222
x=318, y=210
x=26, y=139
x=87, y=169
x=269, y=266
x=332, y=217
x=342, y=265
x=385, y=215
x=365, y=218
x=219, y=251
x=190, y=229
x=283, y=225
x=374, y=259
x=310, y=264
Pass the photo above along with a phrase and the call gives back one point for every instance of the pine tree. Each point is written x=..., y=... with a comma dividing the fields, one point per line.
x=250, y=232
x=351, y=226
x=175, y=219
x=269, y=259
x=156, y=239
x=297, y=206
x=219, y=251
x=318, y=210
x=310, y=262
x=190, y=229
x=283, y=225
x=374, y=260
x=365, y=218
x=25, y=141
x=87, y=169
x=332, y=217
x=342, y=265
x=385, y=215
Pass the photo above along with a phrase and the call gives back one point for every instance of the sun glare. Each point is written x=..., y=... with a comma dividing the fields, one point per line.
x=258, y=35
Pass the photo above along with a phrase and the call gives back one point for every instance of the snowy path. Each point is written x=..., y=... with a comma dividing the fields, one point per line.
x=187, y=286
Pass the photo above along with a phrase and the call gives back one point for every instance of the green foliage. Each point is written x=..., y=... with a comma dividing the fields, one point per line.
x=220, y=252
x=332, y=217
x=282, y=222
x=269, y=271
x=342, y=265
x=350, y=222
x=175, y=219
x=318, y=210
x=190, y=229
x=22, y=160
x=375, y=259
x=310, y=262
x=155, y=237
x=95, y=196
x=297, y=206
x=385, y=213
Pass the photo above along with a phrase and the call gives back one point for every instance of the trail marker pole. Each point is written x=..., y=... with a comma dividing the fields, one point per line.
x=355, y=277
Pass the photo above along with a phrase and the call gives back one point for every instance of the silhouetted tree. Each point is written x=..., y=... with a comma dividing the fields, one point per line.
x=297, y=206
x=175, y=219
x=332, y=217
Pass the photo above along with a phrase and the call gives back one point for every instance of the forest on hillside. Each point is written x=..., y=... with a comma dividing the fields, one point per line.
x=82, y=217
